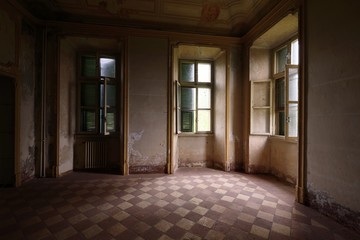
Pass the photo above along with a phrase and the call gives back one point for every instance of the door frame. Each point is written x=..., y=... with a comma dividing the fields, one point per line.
x=17, y=91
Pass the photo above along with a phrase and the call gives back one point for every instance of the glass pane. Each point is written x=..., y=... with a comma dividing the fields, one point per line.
x=261, y=121
x=88, y=94
x=280, y=121
x=110, y=120
x=188, y=121
x=204, y=98
x=88, y=66
x=204, y=72
x=293, y=120
x=102, y=95
x=88, y=123
x=107, y=67
x=188, y=100
x=280, y=94
x=295, y=52
x=111, y=95
x=204, y=120
x=293, y=84
x=281, y=60
x=187, y=72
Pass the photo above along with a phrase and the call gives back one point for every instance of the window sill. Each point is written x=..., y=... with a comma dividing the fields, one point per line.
x=195, y=134
x=283, y=139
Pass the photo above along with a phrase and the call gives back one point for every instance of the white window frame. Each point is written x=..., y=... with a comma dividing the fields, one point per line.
x=196, y=85
x=284, y=74
x=97, y=81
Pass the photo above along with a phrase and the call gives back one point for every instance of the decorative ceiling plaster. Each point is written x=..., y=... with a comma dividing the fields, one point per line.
x=215, y=17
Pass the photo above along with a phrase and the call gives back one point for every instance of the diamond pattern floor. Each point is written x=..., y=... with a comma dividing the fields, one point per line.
x=191, y=204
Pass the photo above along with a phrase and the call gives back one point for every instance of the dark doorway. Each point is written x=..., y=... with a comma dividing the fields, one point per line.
x=7, y=132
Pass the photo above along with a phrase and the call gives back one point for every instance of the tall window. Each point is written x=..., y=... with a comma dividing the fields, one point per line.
x=97, y=81
x=194, y=97
x=285, y=77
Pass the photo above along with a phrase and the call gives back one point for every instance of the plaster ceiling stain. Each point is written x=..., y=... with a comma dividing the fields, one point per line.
x=210, y=12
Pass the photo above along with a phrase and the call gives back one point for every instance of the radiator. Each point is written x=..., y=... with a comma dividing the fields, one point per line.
x=95, y=154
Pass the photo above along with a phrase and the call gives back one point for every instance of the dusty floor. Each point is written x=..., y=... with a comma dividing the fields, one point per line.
x=191, y=204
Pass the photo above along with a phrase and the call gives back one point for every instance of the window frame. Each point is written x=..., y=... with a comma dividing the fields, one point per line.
x=283, y=75
x=195, y=84
x=98, y=80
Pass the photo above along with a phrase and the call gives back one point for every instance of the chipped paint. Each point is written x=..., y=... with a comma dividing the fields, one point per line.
x=28, y=165
x=325, y=204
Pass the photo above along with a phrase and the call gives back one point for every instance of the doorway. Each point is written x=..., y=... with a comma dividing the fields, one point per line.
x=7, y=132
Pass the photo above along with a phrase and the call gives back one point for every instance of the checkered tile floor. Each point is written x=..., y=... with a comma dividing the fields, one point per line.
x=191, y=204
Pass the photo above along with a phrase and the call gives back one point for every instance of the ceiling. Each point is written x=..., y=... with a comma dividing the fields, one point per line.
x=212, y=17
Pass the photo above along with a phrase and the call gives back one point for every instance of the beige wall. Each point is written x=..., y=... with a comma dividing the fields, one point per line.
x=333, y=104
x=284, y=159
x=219, y=140
x=148, y=81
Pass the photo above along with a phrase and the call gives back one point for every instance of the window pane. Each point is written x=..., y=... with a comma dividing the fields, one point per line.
x=107, y=67
x=293, y=120
x=280, y=94
x=295, y=52
x=281, y=60
x=188, y=100
x=187, y=72
x=293, y=84
x=88, y=123
x=204, y=72
x=110, y=120
x=204, y=98
x=188, y=121
x=280, y=121
x=88, y=66
x=204, y=120
x=88, y=94
x=111, y=95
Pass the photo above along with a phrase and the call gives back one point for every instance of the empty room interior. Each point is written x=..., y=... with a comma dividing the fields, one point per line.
x=168, y=119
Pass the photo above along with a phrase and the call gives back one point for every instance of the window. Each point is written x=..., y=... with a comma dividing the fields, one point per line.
x=285, y=81
x=194, y=96
x=97, y=84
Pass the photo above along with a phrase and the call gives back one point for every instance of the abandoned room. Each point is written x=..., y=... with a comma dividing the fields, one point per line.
x=169, y=119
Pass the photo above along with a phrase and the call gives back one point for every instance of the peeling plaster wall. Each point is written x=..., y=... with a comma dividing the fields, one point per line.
x=196, y=151
x=333, y=133
x=147, y=77
x=67, y=109
x=27, y=114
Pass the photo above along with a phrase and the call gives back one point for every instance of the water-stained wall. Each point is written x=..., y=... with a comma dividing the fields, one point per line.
x=67, y=103
x=333, y=107
x=148, y=70
x=27, y=79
